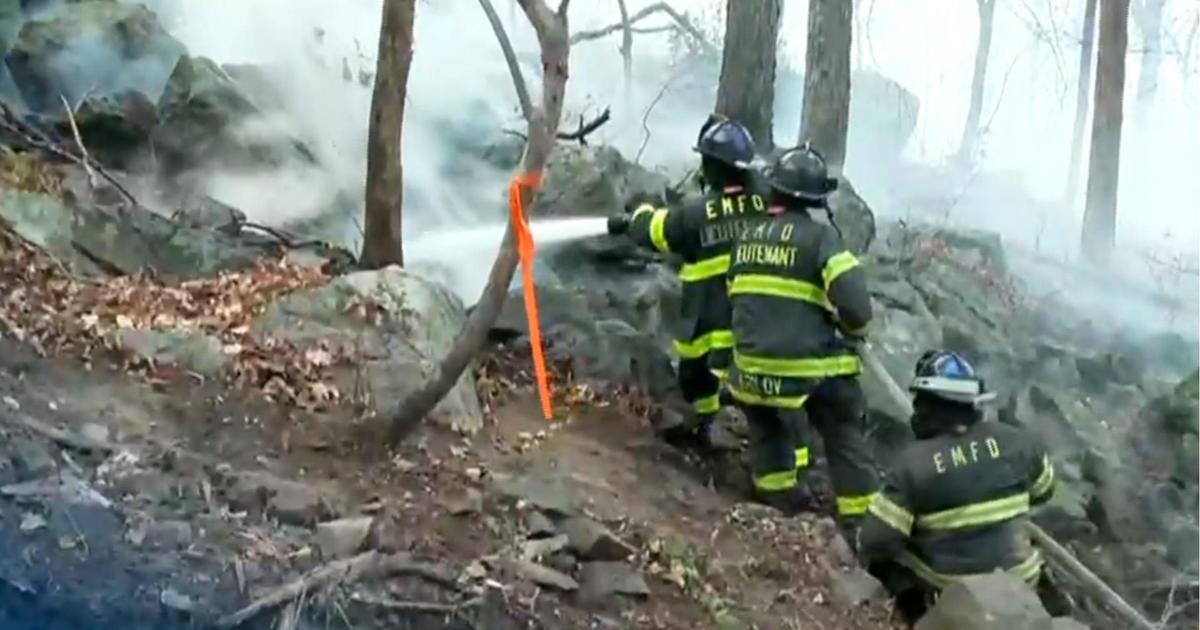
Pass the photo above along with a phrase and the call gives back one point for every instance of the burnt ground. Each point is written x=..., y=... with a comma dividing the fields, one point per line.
x=202, y=498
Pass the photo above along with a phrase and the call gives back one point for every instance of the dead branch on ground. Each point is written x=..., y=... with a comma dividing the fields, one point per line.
x=684, y=24
x=69, y=439
x=87, y=167
x=371, y=564
x=35, y=138
x=551, y=28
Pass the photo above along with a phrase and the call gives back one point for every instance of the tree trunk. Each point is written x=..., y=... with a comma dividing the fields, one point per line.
x=382, y=245
x=1149, y=17
x=552, y=34
x=746, y=92
x=1100, y=215
x=825, y=116
x=970, y=134
x=1082, y=91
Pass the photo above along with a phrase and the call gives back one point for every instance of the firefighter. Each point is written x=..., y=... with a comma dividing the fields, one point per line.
x=955, y=501
x=700, y=232
x=797, y=295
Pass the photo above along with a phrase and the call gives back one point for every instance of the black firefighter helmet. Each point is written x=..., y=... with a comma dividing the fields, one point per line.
x=801, y=172
x=726, y=141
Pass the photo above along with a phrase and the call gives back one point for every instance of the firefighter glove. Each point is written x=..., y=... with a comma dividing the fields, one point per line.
x=618, y=224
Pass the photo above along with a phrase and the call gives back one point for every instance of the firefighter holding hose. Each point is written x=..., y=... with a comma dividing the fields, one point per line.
x=700, y=231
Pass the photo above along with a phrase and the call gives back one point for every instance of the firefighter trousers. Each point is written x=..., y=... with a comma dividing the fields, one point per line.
x=700, y=387
x=779, y=440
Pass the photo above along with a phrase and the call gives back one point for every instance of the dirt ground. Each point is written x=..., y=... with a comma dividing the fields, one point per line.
x=166, y=524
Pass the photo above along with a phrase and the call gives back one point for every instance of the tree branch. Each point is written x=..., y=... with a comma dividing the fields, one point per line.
x=552, y=34
x=658, y=7
x=581, y=132
x=510, y=58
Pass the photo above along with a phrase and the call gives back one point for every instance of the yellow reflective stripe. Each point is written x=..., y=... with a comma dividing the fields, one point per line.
x=861, y=331
x=776, y=481
x=855, y=505
x=704, y=269
x=891, y=513
x=658, y=224
x=700, y=346
x=837, y=265
x=1045, y=481
x=785, y=402
x=814, y=367
x=722, y=375
x=801, y=455
x=973, y=514
x=642, y=209
x=708, y=404
x=1027, y=570
x=774, y=286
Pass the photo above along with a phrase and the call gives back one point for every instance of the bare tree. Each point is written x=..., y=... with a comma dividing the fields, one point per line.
x=626, y=48
x=825, y=117
x=983, y=44
x=382, y=245
x=1082, y=91
x=1148, y=14
x=682, y=23
x=552, y=34
x=746, y=92
x=1104, y=164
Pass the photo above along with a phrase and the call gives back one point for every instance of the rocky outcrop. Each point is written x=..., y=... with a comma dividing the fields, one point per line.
x=396, y=323
x=592, y=181
x=991, y=602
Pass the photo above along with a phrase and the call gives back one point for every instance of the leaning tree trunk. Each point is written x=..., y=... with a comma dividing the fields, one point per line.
x=825, y=117
x=382, y=245
x=1104, y=165
x=970, y=134
x=552, y=34
x=1082, y=92
x=746, y=92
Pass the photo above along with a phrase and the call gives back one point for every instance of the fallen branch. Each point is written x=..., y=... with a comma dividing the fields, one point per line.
x=418, y=607
x=83, y=152
x=581, y=132
x=1055, y=552
x=658, y=7
x=35, y=138
x=371, y=564
x=68, y=439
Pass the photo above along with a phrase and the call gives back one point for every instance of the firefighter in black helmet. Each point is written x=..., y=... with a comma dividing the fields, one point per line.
x=955, y=500
x=797, y=294
x=700, y=232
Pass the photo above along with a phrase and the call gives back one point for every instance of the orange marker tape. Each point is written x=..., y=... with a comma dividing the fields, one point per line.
x=525, y=251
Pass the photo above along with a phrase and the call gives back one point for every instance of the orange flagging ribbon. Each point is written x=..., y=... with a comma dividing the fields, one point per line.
x=525, y=251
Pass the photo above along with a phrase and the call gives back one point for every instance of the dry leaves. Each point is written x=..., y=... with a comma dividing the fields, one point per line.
x=58, y=313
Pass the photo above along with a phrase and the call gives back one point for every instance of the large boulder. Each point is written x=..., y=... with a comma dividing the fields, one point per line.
x=853, y=217
x=94, y=47
x=206, y=120
x=987, y=602
x=395, y=352
x=592, y=181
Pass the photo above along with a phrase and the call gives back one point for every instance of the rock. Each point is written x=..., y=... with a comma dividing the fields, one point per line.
x=30, y=459
x=460, y=502
x=553, y=495
x=170, y=534
x=191, y=350
x=104, y=48
x=541, y=575
x=206, y=120
x=1066, y=623
x=418, y=324
x=291, y=502
x=593, y=541
x=256, y=83
x=175, y=600
x=852, y=216
x=538, y=525
x=342, y=538
x=95, y=432
x=563, y=562
x=599, y=580
x=592, y=181
x=997, y=601
x=116, y=128
x=1183, y=545
x=855, y=587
